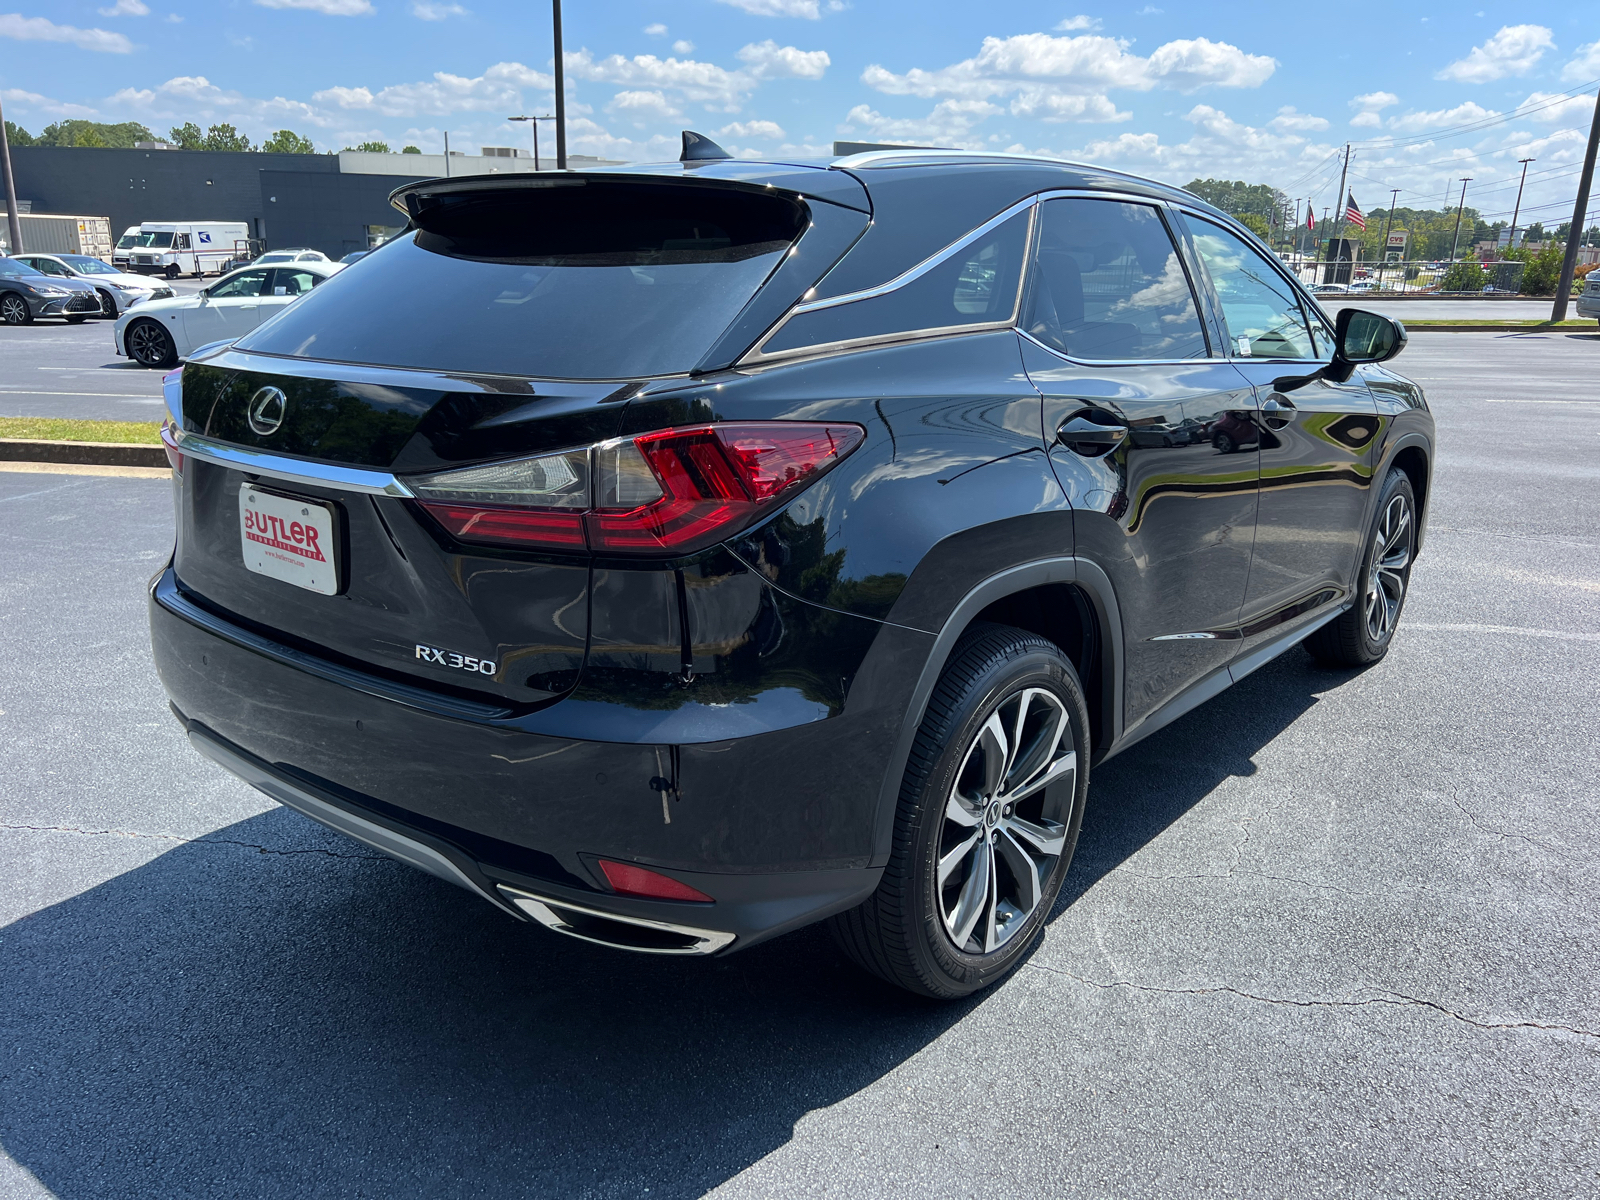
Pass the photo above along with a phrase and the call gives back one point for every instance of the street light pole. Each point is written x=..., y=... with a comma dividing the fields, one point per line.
x=1580, y=212
x=561, y=91
x=535, y=121
x=1511, y=243
x=13, y=221
x=1394, y=195
x=1455, y=238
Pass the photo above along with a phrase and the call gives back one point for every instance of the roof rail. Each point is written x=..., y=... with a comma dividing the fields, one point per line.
x=888, y=158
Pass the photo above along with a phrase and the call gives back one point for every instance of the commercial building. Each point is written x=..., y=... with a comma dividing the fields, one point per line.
x=335, y=203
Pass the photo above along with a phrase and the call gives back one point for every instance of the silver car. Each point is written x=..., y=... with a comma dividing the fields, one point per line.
x=118, y=291
x=1589, y=298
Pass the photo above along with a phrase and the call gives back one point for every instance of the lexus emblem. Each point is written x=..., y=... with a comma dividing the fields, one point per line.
x=266, y=410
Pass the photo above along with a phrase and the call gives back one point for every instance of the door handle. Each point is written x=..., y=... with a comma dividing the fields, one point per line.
x=1277, y=410
x=1084, y=435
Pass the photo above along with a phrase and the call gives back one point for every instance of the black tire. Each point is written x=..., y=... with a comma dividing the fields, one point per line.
x=1362, y=635
x=173, y=272
x=997, y=675
x=14, y=309
x=150, y=345
x=1223, y=443
x=108, y=304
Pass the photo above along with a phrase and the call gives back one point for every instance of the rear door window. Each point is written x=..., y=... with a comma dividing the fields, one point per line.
x=975, y=286
x=246, y=283
x=1108, y=285
x=568, y=279
x=286, y=282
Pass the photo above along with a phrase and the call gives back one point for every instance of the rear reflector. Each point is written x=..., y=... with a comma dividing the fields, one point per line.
x=174, y=459
x=631, y=880
x=674, y=491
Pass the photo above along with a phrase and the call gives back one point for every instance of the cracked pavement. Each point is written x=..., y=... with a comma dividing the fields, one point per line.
x=1330, y=935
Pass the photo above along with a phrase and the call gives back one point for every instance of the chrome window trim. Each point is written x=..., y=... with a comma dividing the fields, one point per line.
x=1210, y=359
x=289, y=470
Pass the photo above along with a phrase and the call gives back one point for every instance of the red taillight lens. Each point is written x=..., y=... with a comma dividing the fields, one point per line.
x=631, y=880
x=670, y=492
x=174, y=459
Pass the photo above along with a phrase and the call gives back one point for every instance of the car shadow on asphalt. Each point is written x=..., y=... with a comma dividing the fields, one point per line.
x=233, y=1020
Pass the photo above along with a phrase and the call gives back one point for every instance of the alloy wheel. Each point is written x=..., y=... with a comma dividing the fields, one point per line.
x=13, y=310
x=1000, y=839
x=147, y=342
x=1391, y=567
x=108, y=305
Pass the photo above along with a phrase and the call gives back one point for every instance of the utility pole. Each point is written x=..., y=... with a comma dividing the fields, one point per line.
x=561, y=91
x=14, y=221
x=535, y=121
x=1580, y=212
x=447, y=154
x=1511, y=242
x=1394, y=195
x=1455, y=237
x=1338, y=226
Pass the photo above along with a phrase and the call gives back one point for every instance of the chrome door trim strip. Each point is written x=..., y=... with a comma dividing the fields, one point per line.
x=289, y=470
x=545, y=910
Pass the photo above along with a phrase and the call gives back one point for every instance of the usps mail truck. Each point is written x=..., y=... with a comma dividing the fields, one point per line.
x=174, y=248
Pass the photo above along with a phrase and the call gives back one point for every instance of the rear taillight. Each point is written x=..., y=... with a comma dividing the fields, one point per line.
x=632, y=880
x=174, y=459
x=669, y=492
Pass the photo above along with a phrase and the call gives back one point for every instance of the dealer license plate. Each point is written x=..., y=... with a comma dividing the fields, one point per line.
x=288, y=539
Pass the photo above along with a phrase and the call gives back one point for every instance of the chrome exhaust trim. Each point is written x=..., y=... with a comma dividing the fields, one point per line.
x=589, y=925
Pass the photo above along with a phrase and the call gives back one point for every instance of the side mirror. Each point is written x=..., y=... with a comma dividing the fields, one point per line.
x=1367, y=337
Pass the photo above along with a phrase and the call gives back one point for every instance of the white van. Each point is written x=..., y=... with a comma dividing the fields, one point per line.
x=174, y=248
x=122, y=252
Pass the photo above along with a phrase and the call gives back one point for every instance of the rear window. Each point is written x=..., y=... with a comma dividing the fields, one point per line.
x=576, y=279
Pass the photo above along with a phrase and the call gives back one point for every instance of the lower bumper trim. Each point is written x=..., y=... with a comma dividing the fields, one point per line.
x=618, y=932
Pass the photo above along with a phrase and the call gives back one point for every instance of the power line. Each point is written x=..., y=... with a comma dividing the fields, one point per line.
x=1490, y=122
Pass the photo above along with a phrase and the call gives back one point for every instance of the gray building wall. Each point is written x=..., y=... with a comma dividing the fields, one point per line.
x=316, y=206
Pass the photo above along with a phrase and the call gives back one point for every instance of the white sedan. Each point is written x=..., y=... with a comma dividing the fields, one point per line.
x=118, y=291
x=159, y=332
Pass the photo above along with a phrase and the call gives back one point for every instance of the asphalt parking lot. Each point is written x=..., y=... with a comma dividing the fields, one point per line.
x=1331, y=934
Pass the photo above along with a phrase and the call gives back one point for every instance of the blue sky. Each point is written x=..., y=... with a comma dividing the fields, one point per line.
x=1267, y=93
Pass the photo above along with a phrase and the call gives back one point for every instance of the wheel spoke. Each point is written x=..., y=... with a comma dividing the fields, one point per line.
x=960, y=812
x=1026, y=872
x=1399, y=526
x=1065, y=765
x=956, y=857
x=992, y=741
x=975, y=899
x=1047, y=837
x=1028, y=764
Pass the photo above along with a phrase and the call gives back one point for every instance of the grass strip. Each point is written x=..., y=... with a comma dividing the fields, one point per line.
x=62, y=429
x=1434, y=324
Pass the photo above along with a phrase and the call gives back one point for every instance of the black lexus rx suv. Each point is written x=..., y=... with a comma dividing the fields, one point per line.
x=678, y=555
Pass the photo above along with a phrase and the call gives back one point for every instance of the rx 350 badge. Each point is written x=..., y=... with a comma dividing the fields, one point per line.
x=456, y=662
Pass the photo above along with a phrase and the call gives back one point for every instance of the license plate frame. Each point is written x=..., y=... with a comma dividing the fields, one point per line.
x=269, y=522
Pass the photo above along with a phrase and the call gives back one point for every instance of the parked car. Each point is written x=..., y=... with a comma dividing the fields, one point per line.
x=287, y=256
x=1588, y=302
x=26, y=293
x=160, y=332
x=117, y=290
x=717, y=552
x=354, y=256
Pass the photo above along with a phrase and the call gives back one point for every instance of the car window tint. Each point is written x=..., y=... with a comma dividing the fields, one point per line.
x=1262, y=311
x=293, y=283
x=977, y=285
x=246, y=283
x=1108, y=285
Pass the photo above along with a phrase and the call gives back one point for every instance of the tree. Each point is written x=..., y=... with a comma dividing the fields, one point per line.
x=1543, y=272
x=225, y=137
x=1465, y=276
x=1256, y=224
x=286, y=141
x=95, y=134
x=1237, y=199
x=372, y=148
x=18, y=136
x=410, y=150
x=187, y=136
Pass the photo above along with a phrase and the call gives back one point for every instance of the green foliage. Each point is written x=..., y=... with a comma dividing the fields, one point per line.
x=1256, y=224
x=1543, y=272
x=410, y=150
x=1241, y=200
x=16, y=135
x=1465, y=276
x=225, y=137
x=372, y=148
x=95, y=134
x=187, y=136
x=286, y=141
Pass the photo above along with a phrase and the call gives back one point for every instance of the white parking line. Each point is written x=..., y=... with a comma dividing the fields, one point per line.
x=108, y=395
x=1558, y=634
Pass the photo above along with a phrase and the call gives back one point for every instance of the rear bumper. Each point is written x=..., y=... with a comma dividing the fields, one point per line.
x=1588, y=306
x=762, y=823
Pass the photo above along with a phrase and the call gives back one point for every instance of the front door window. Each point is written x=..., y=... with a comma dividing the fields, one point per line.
x=1262, y=311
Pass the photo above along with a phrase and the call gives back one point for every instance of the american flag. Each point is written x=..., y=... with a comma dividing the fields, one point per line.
x=1352, y=213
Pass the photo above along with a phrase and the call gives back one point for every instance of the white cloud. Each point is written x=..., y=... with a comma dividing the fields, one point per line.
x=643, y=106
x=499, y=86
x=1289, y=120
x=1374, y=101
x=656, y=30
x=37, y=29
x=1219, y=146
x=752, y=129
x=126, y=8
x=810, y=10
x=1366, y=120
x=1515, y=50
x=1584, y=66
x=949, y=124
x=1068, y=78
x=768, y=60
x=196, y=98
x=34, y=102
x=1421, y=122
x=328, y=8
x=1556, y=108
x=1074, y=23
x=683, y=46
x=428, y=10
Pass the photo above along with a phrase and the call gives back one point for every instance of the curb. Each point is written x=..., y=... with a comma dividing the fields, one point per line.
x=96, y=454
